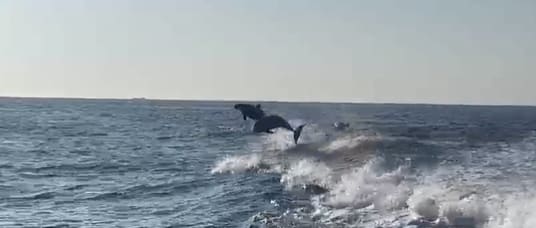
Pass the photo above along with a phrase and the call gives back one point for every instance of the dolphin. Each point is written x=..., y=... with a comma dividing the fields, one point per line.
x=268, y=123
x=253, y=112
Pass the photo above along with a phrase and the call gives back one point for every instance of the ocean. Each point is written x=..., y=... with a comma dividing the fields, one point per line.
x=148, y=163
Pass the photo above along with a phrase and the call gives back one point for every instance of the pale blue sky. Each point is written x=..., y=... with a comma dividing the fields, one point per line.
x=431, y=51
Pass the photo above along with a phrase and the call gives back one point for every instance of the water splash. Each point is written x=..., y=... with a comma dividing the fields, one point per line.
x=306, y=172
x=368, y=186
x=235, y=164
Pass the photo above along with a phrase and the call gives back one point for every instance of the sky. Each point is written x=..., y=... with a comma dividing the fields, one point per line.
x=411, y=51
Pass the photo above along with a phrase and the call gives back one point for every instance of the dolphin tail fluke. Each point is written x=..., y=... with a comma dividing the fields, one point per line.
x=297, y=133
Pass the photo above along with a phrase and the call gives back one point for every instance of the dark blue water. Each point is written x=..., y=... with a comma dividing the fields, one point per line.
x=142, y=163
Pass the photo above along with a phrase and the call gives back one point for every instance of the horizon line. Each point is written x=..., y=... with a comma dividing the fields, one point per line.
x=264, y=101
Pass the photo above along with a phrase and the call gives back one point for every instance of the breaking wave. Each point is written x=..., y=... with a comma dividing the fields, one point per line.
x=237, y=164
x=305, y=173
x=367, y=186
x=346, y=188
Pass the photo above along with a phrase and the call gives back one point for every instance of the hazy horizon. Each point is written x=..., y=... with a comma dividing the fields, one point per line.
x=448, y=52
x=260, y=101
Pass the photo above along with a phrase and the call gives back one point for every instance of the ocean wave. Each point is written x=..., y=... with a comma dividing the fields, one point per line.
x=164, y=138
x=76, y=187
x=354, y=176
x=450, y=205
x=237, y=164
x=367, y=186
x=148, y=189
x=518, y=211
x=350, y=142
x=437, y=204
x=35, y=196
x=362, y=190
x=307, y=173
x=32, y=175
x=70, y=167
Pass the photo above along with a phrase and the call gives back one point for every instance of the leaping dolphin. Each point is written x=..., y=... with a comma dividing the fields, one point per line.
x=253, y=112
x=268, y=123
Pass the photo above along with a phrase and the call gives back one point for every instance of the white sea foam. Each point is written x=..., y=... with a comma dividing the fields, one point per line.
x=517, y=211
x=367, y=186
x=307, y=172
x=236, y=164
x=423, y=203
